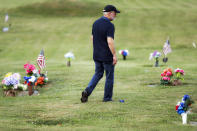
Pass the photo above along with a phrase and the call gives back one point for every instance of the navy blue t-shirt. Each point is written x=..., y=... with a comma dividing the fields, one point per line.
x=102, y=28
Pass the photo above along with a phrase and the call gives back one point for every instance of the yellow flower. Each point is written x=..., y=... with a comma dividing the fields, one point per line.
x=8, y=74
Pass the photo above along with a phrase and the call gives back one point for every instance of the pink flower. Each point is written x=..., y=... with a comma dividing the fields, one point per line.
x=26, y=66
x=177, y=70
x=169, y=73
x=28, y=71
x=165, y=78
x=162, y=74
x=168, y=78
x=182, y=71
x=29, y=68
x=3, y=82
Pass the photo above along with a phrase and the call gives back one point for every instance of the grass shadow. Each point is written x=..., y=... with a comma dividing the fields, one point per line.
x=158, y=85
x=189, y=84
x=52, y=122
x=128, y=59
x=60, y=8
x=183, y=46
x=152, y=65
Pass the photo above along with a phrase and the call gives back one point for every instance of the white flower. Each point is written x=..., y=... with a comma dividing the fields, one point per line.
x=22, y=86
x=35, y=71
x=158, y=54
x=151, y=56
x=5, y=29
x=33, y=79
x=15, y=86
x=69, y=55
x=17, y=76
x=46, y=79
x=120, y=52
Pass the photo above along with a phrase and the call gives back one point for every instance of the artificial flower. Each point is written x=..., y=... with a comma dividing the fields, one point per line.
x=183, y=107
x=10, y=81
x=179, y=74
x=169, y=73
x=32, y=79
x=156, y=54
x=22, y=87
x=166, y=76
x=29, y=68
x=124, y=52
x=8, y=74
x=179, y=70
x=69, y=55
x=40, y=81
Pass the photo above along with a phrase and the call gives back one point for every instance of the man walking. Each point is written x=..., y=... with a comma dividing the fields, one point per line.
x=104, y=53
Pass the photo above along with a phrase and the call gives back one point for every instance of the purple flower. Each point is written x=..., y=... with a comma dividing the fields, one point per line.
x=9, y=81
x=154, y=53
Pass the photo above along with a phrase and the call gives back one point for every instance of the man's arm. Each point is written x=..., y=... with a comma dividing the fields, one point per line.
x=110, y=42
x=92, y=37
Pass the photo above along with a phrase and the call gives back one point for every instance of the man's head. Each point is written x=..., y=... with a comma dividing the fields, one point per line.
x=110, y=12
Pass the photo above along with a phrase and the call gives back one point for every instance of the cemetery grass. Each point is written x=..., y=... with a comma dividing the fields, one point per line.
x=62, y=26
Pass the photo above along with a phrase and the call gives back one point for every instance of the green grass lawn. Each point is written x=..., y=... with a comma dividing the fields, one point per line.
x=60, y=26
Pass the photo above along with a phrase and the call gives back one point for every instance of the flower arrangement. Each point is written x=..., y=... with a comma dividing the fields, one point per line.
x=124, y=53
x=166, y=76
x=69, y=56
x=182, y=108
x=179, y=74
x=42, y=80
x=30, y=80
x=11, y=82
x=155, y=55
x=29, y=69
x=34, y=78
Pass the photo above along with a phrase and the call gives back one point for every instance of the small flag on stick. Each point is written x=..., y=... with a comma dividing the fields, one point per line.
x=194, y=44
x=41, y=60
x=166, y=48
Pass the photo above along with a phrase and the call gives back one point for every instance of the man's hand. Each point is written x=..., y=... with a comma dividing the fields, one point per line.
x=115, y=60
x=110, y=41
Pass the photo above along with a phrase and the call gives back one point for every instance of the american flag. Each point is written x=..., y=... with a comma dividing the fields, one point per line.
x=6, y=17
x=41, y=60
x=166, y=48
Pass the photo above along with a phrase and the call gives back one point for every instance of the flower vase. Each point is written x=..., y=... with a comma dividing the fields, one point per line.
x=68, y=63
x=165, y=59
x=184, y=118
x=124, y=57
x=30, y=89
x=156, y=63
x=177, y=82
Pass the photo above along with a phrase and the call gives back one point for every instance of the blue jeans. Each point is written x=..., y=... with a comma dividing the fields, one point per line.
x=109, y=82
